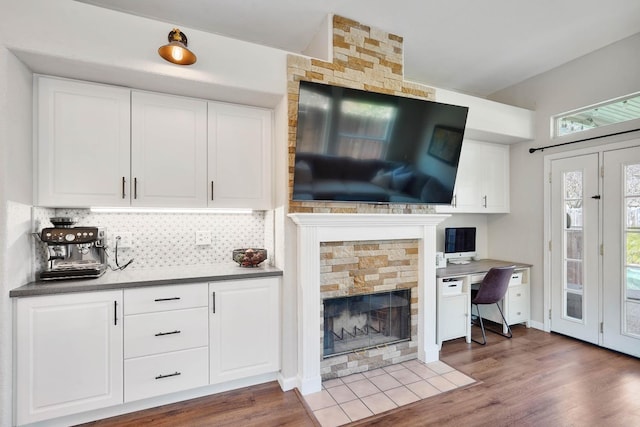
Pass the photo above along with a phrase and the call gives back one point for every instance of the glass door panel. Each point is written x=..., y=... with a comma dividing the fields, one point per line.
x=631, y=295
x=572, y=242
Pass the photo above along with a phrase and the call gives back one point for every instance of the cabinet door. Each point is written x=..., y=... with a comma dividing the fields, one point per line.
x=83, y=143
x=168, y=151
x=239, y=156
x=453, y=318
x=466, y=194
x=245, y=328
x=495, y=192
x=482, y=181
x=69, y=354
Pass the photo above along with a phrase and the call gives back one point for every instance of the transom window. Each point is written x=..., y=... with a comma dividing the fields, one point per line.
x=606, y=113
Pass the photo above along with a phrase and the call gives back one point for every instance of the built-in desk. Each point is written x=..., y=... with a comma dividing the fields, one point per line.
x=454, y=297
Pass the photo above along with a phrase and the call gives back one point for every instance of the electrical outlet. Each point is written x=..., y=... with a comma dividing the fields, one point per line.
x=125, y=241
x=203, y=238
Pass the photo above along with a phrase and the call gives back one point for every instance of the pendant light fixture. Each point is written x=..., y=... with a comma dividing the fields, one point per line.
x=176, y=51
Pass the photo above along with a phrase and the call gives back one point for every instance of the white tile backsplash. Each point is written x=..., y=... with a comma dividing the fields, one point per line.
x=168, y=239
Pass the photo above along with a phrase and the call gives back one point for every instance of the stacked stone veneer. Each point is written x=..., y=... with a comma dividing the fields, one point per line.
x=363, y=58
x=354, y=268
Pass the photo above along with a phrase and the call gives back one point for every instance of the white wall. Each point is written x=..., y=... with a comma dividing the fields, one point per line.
x=82, y=41
x=15, y=200
x=607, y=73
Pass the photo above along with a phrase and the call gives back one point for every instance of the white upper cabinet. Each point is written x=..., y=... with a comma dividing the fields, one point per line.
x=168, y=150
x=239, y=160
x=82, y=144
x=106, y=146
x=482, y=182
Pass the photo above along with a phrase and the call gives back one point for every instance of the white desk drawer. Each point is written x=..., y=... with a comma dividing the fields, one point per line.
x=451, y=287
x=154, y=333
x=518, y=304
x=516, y=278
x=160, y=298
x=165, y=373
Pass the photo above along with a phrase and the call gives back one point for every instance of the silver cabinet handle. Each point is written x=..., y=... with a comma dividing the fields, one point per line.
x=212, y=190
x=214, y=302
x=484, y=201
x=123, y=187
x=135, y=188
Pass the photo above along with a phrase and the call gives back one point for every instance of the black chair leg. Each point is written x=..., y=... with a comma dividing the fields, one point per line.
x=484, y=336
x=510, y=334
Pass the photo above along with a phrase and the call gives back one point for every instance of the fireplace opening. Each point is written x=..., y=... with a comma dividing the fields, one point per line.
x=363, y=321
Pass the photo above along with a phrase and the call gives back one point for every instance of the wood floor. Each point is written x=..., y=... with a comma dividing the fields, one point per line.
x=534, y=379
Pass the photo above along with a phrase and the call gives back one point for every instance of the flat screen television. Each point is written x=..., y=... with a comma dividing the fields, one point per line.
x=359, y=146
x=459, y=243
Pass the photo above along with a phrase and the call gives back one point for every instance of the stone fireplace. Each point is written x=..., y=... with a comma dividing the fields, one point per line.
x=314, y=229
x=369, y=291
x=371, y=59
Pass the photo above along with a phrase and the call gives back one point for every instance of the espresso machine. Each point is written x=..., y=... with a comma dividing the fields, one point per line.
x=74, y=252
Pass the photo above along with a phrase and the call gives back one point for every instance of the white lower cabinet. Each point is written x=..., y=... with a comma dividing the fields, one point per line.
x=453, y=309
x=165, y=340
x=79, y=352
x=245, y=328
x=68, y=354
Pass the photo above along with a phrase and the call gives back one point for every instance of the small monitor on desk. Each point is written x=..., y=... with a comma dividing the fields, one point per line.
x=459, y=244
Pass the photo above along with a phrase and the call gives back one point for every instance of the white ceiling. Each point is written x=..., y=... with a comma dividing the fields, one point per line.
x=472, y=46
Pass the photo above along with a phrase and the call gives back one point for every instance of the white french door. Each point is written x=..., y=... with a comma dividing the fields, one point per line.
x=575, y=247
x=595, y=247
x=621, y=247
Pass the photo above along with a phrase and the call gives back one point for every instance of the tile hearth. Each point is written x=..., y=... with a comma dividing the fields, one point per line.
x=358, y=396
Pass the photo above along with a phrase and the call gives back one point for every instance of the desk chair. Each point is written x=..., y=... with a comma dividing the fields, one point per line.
x=491, y=291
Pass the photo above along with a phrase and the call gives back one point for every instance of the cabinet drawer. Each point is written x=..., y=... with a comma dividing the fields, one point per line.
x=451, y=286
x=165, y=373
x=154, y=333
x=518, y=304
x=159, y=298
x=516, y=278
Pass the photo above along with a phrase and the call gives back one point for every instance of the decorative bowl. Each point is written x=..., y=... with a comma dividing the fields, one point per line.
x=249, y=257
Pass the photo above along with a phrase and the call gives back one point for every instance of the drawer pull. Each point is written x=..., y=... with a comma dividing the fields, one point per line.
x=518, y=295
x=166, y=299
x=519, y=313
x=159, y=377
x=161, y=334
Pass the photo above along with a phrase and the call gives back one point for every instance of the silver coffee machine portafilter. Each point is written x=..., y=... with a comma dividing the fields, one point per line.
x=74, y=252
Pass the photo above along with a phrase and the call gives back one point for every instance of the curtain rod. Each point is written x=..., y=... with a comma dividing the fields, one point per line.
x=533, y=150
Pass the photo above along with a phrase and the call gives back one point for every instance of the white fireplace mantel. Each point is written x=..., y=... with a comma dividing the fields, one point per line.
x=316, y=228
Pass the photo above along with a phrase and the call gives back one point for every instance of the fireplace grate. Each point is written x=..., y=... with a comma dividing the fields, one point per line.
x=359, y=322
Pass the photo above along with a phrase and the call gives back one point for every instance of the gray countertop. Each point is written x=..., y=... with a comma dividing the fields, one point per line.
x=479, y=266
x=146, y=277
